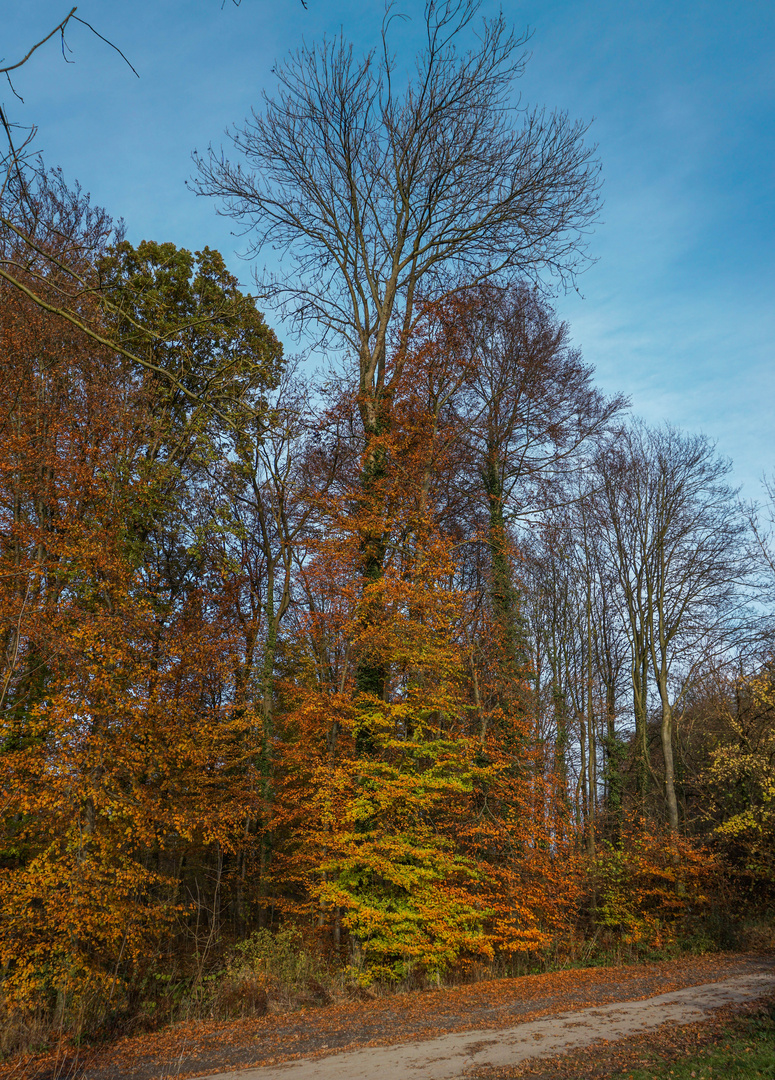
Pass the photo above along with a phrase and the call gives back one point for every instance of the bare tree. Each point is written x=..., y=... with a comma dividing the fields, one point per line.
x=762, y=521
x=579, y=654
x=527, y=414
x=677, y=542
x=380, y=197
x=375, y=194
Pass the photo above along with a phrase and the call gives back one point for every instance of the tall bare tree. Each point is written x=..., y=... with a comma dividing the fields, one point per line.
x=376, y=193
x=382, y=189
x=676, y=539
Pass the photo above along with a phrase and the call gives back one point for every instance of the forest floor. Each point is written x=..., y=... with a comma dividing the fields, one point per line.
x=268, y=1043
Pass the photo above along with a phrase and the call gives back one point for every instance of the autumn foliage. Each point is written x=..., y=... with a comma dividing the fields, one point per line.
x=266, y=667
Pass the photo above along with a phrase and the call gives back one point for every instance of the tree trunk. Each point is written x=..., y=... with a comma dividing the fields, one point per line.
x=512, y=660
x=591, y=734
x=666, y=732
x=371, y=673
x=639, y=690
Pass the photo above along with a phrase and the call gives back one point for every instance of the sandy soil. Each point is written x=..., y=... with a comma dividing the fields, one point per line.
x=456, y=1054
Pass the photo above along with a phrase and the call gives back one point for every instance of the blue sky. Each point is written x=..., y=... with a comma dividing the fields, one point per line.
x=678, y=311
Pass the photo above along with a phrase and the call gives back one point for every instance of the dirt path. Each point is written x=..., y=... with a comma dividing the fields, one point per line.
x=455, y=1055
x=201, y=1049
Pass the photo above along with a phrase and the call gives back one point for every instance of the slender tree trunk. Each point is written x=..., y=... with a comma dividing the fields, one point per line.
x=666, y=733
x=639, y=691
x=613, y=763
x=561, y=738
x=591, y=734
x=512, y=660
x=584, y=807
x=371, y=673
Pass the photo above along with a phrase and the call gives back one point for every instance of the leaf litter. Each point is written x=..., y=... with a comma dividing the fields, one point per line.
x=192, y=1049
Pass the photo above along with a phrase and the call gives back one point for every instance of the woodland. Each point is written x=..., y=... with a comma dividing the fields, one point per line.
x=409, y=659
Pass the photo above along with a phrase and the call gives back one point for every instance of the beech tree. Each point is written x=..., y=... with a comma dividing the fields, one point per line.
x=530, y=413
x=677, y=543
x=379, y=196
x=119, y=734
